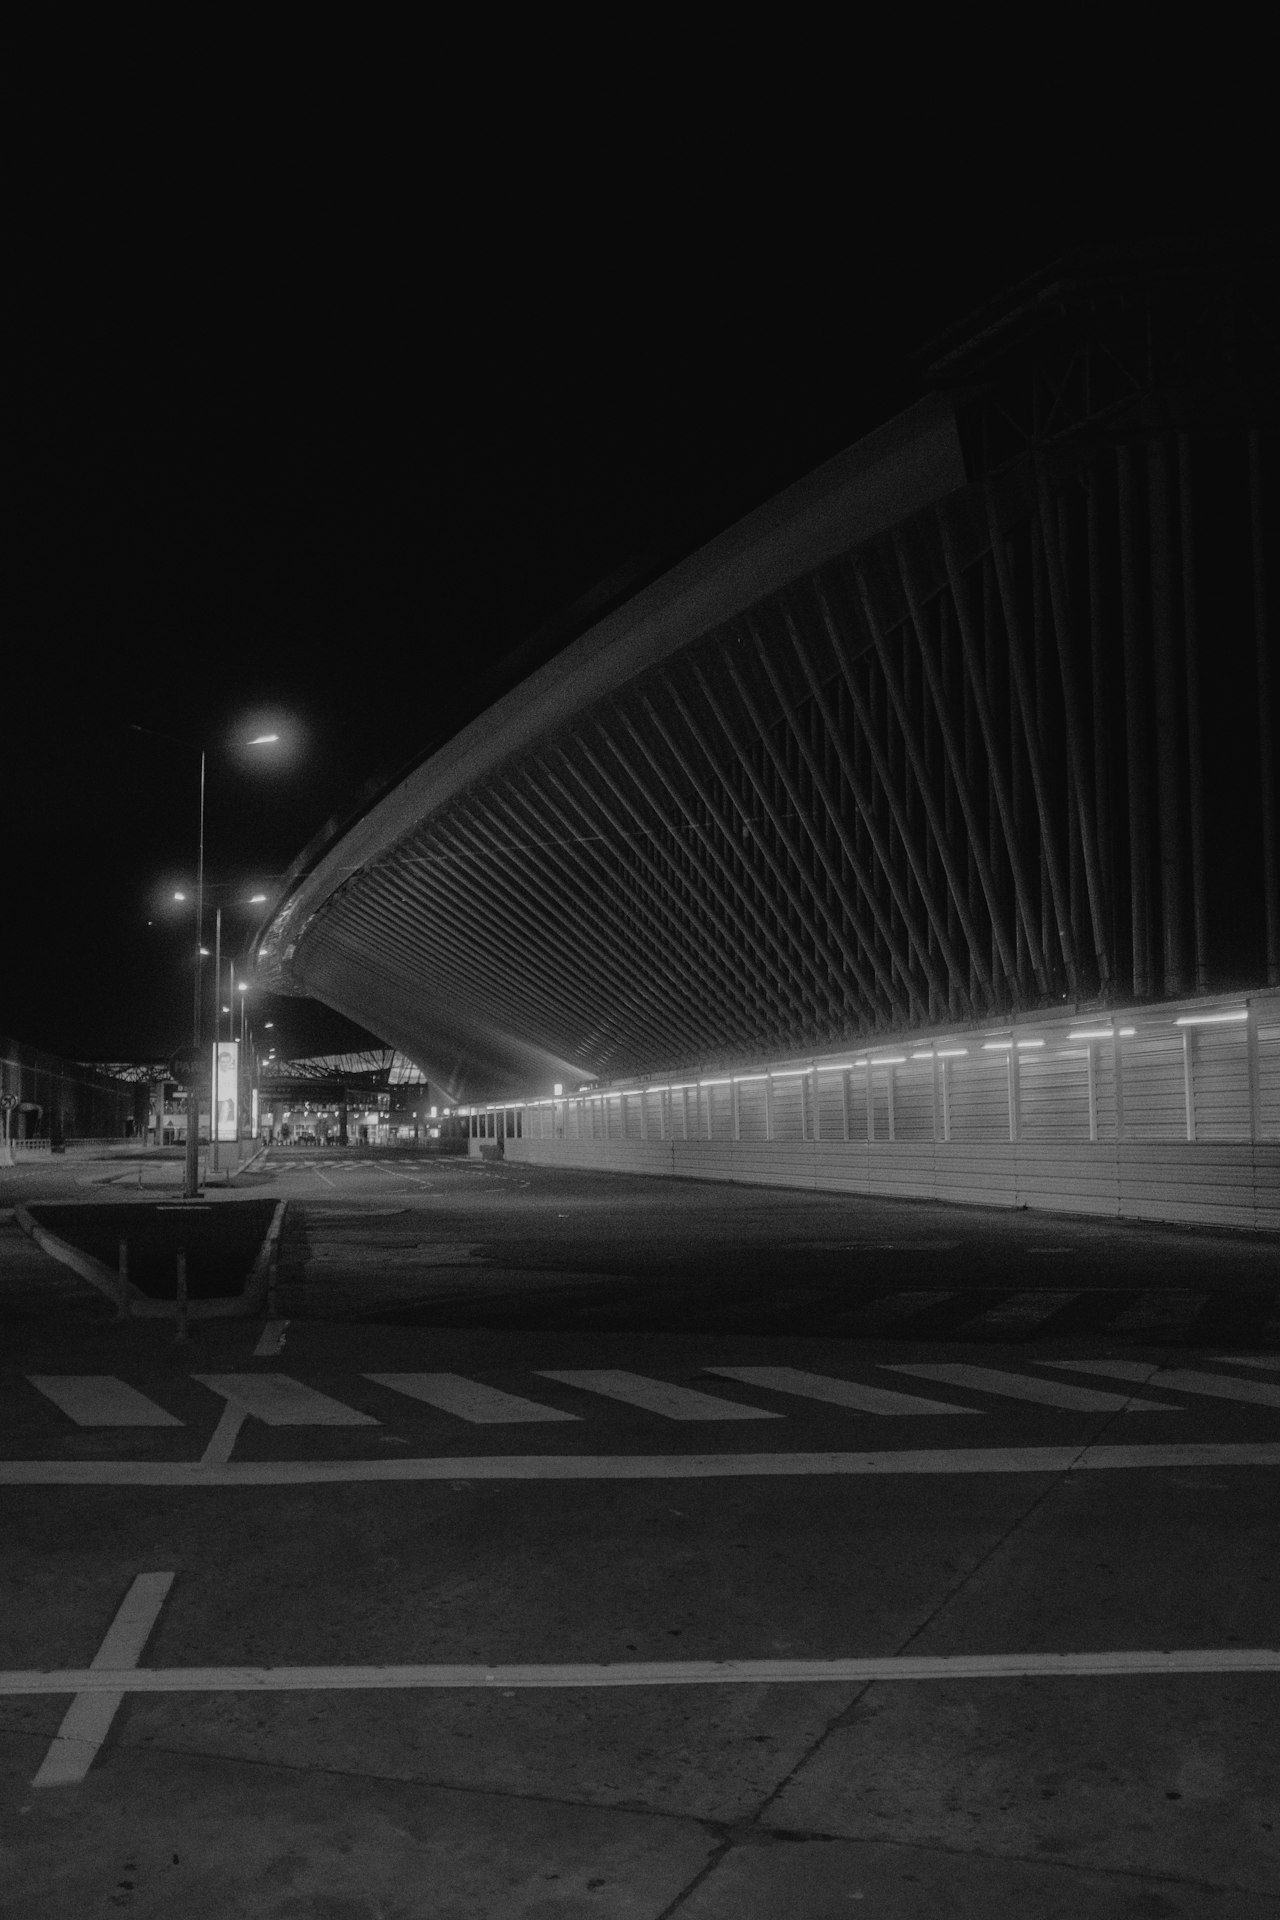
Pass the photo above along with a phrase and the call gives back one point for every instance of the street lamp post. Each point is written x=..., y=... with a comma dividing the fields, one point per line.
x=191, y=1172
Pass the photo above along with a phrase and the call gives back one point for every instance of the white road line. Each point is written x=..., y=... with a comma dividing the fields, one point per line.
x=282, y=1401
x=840, y=1393
x=469, y=1399
x=1179, y=1379
x=87, y=1721
x=1017, y=1386
x=1269, y=1360
x=270, y=1340
x=100, y=1400
x=644, y=1673
x=641, y=1466
x=323, y=1176
x=225, y=1434
x=655, y=1396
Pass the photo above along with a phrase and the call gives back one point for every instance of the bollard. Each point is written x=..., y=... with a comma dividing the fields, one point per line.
x=180, y=1299
x=122, y=1303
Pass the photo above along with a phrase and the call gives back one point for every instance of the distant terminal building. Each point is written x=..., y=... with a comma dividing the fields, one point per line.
x=375, y=1097
x=51, y=1102
x=921, y=832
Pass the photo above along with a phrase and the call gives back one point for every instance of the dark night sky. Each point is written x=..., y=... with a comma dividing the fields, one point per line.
x=342, y=496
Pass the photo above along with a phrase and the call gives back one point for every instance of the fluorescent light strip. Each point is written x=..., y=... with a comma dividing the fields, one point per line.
x=890, y=1060
x=1210, y=1019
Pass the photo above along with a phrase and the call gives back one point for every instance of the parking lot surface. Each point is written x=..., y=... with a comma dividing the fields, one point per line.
x=570, y=1544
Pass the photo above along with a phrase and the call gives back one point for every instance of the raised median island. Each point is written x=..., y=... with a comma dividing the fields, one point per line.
x=131, y=1250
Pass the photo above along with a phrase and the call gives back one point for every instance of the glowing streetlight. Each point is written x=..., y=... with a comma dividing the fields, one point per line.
x=191, y=1181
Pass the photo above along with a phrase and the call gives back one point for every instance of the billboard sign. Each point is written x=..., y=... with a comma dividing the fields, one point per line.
x=226, y=1088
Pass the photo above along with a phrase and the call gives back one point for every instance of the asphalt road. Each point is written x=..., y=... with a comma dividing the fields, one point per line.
x=576, y=1546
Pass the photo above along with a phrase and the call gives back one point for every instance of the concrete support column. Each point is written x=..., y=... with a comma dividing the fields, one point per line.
x=1189, y=1080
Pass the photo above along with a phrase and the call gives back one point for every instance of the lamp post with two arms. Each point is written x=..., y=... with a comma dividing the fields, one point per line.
x=191, y=1176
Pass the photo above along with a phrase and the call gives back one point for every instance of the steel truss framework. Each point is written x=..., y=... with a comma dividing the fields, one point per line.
x=1015, y=752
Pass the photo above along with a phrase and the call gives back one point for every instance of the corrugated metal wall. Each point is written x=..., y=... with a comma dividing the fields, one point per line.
x=1022, y=1119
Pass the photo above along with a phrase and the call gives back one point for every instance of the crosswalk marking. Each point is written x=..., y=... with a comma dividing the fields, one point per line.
x=1180, y=1379
x=282, y=1401
x=655, y=1396
x=469, y=1399
x=1017, y=1386
x=100, y=1400
x=840, y=1393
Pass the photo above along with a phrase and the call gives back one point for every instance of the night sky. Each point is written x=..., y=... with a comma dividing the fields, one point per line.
x=351, y=504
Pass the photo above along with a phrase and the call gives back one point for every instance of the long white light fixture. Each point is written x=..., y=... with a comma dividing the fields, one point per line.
x=1210, y=1019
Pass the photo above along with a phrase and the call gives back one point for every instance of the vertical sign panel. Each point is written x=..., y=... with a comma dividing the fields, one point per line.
x=226, y=1088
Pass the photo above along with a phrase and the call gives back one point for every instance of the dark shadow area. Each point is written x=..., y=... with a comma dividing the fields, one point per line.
x=221, y=1242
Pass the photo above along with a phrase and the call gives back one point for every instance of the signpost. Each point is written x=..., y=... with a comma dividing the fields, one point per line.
x=8, y=1101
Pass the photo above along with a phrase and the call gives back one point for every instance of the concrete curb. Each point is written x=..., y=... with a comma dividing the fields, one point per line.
x=131, y=1302
x=261, y=1282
